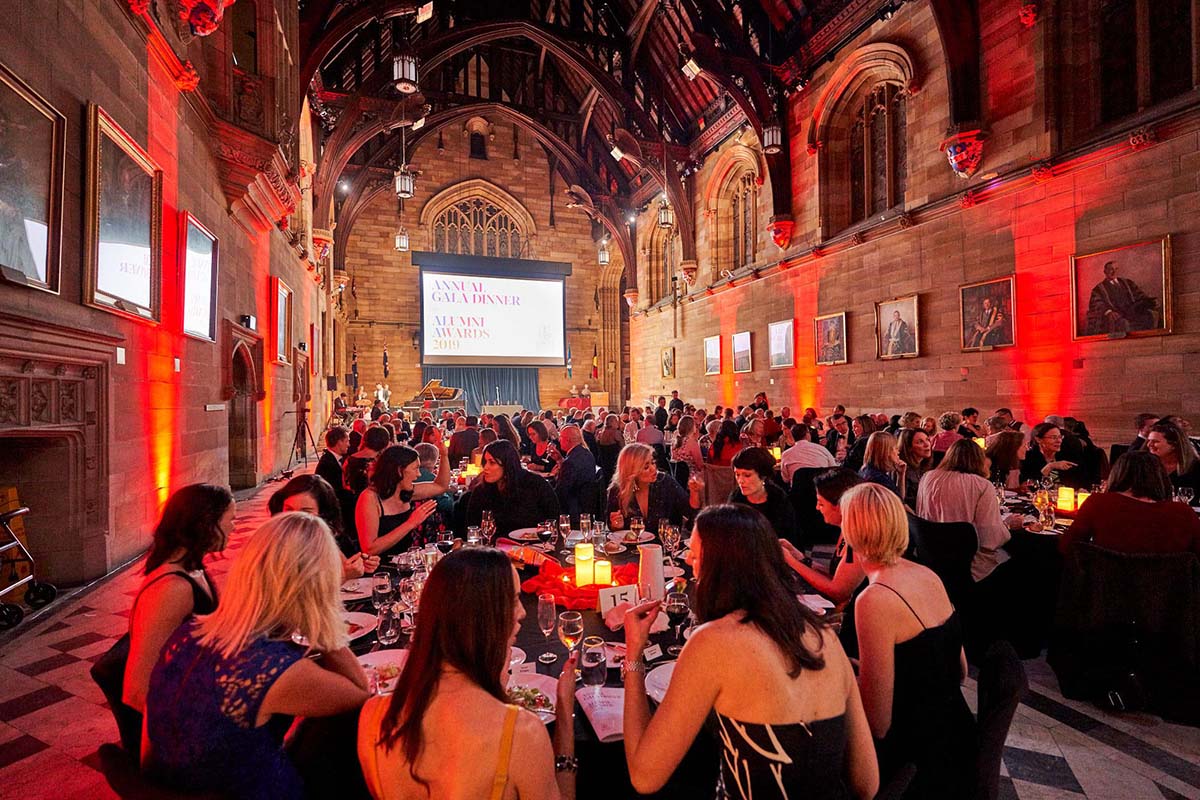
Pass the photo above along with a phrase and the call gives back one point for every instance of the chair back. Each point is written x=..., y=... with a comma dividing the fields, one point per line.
x=591, y=498
x=812, y=527
x=947, y=548
x=680, y=471
x=606, y=459
x=1115, y=452
x=1002, y=681
x=719, y=483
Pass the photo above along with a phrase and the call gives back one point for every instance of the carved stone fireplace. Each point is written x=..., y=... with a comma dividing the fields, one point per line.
x=54, y=421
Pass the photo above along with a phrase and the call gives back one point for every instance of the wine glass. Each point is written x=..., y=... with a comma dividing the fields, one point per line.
x=547, y=616
x=545, y=534
x=671, y=539
x=677, y=609
x=593, y=665
x=445, y=542
x=570, y=629
x=1186, y=494
x=637, y=525
x=381, y=590
x=389, y=623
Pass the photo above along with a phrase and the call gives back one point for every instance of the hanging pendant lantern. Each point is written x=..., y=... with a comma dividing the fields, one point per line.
x=405, y=182
x=402, y=240
x=404, y=73
x=666, y=215
x=772, y=138
x=602, y=257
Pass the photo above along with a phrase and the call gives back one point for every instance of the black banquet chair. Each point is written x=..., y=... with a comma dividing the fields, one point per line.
x=1002, y=682
x=812, y=527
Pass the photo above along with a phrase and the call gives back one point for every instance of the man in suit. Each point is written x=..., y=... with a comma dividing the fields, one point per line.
x=329, y=466
x=1118, y=305
x=840, y=438
x=464, y=440
x=575, y=471
x=1144, y=421
x=660, y=414
x=676, y=404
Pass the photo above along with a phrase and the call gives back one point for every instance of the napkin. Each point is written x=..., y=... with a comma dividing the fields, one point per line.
x=615, y=619
x=650, y=570
x=815, y=602
x=605, y=709
x=523, y=553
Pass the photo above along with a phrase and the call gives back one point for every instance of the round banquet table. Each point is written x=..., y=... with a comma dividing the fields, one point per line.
x=1036, y=556
x=603, y=773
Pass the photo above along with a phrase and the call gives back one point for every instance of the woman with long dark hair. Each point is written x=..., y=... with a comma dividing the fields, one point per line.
x=394, y=505
x=726, y=444
x=543, y=455
x=915, y=449
x=313, y=495
x=1004, y=454
x=786, y=705
x=516, y=497
x=448, y=729
x=505, y=430
x=196, y=521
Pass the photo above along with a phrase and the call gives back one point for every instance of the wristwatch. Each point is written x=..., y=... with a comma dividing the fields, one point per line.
x=632, y=665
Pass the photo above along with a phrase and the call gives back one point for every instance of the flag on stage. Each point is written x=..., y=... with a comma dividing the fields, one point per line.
x=568, y=361
x=385, y=361
x=595, y=363
x=354, y=365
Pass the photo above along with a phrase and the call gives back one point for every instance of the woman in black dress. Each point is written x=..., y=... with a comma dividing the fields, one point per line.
x=516, y=497
x=769, y=678
x=754, y=471
x=394, y=505
x=638, y=489
x=911, y=660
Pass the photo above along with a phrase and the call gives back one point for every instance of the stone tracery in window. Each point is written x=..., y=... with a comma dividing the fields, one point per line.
x=741, y=221
x=877, y=158
x=475, y=226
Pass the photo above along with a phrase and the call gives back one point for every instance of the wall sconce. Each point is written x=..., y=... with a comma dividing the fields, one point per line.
x=248, y=321
x=402, y=240
x=416, y=339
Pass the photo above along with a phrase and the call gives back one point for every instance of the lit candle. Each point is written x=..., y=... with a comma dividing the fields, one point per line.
x=980, y=441
x=777, y=452
x=603, y=572
x=1066, y=499
x=1080, y=497
x=584, y=564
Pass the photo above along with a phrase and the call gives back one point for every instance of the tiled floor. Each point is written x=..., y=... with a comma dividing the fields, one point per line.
x=53, y=717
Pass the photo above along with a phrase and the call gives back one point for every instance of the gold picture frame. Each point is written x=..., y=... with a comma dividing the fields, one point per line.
x=987, y=314
x=1119, y=306
x=830, y=345
x=897, y=328
x=712, y=355
x=667, y=359
x=123, y=223
x=742, y=352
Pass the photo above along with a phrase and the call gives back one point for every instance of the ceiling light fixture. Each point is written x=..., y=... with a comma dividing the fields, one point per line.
x=404, y=72
x=772, y=138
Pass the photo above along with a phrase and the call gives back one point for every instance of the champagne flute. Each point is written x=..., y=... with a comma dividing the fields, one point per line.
x=593, y=663
x=564, y=532
x=585, y=528
x=381, y=590
x=677, y=609
x=570, y=629
x=547, y=616
x=671, y=539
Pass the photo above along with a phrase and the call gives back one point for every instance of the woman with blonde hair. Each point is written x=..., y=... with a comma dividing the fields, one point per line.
x=227, y=685
x=881, y=462
x=638, y=489
x=911, y=660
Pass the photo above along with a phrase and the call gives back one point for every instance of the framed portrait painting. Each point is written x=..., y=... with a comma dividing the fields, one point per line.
x=281, y=322
x=987, y=312
x=123, y=214
x=829, y=331
x=1125, y=291
x=781, y=342
x=897, y=328
x=742, y=361
x=668, y=362
x=198, y=251
x=32, y=149
x=712, y=355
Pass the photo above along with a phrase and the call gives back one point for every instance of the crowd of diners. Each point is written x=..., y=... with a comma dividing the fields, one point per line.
x=213, y=680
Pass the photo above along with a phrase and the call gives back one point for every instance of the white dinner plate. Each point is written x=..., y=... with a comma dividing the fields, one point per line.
x=612, y=549
x=357, y=589
x=543, y=683
x=657, y=681
x=619, y=537
x=383, y=661
x=672, y=572
x=524, y=535
x=359, y=623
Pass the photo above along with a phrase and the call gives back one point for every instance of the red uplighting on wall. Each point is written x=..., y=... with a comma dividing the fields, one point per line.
x=803, y=284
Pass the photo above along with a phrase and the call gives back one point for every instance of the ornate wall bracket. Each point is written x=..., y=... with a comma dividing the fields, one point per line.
x=1028, y=14
x=964, y=151
x=688, y=270
x=631, y=297
x=202, y=16
x=1143, y=137
x=780, y=228
x=254, y=176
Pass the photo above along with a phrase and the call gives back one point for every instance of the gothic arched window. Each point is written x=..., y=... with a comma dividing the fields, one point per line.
x=476, y=227
x=743, y=206
x=877, y=159
x=664, y=262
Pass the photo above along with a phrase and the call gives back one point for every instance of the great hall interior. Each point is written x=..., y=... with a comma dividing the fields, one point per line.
x=802, y=223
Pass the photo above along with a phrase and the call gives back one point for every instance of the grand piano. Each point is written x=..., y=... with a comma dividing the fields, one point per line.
x=434, y=397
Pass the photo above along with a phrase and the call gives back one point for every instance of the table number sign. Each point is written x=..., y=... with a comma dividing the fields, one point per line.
x=612, y=596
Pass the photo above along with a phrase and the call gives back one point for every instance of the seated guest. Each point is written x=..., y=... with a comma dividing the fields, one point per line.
x=1092, y=459
x=392, y=510
x=930, y=426
x=356, y=467
x=228, y=684
x=725, y=445
x=916, y=451
x=1004, y=455
x=754, y=471
x=448, y=729
x=911, y=660
x=650, y=434
x=505, y=430
x=638, y=489
x=575, y=473
x=1178, y=456
x=881, y=462
x=753, y=433
x=196, y=521
x=486, y=437
x=312, y=495
x=804, y=454
x=995, y=426
x=862, y=426
x=958, y=491
x=686, y=448
x=516, y=497
x=764, y=669
x=427, y=459
x=337, y=445
x=1136, y=513
x=840, y=438
x=948, y=425
x=542, y=452
x=910, y=419
x=970, y=427
x=1045, y=456
x=464, y=439
x=847, y=575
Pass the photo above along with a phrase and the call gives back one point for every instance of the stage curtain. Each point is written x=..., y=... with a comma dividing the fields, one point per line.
x=516, y=384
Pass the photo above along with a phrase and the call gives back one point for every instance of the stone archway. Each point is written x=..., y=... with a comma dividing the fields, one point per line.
x=243, y=422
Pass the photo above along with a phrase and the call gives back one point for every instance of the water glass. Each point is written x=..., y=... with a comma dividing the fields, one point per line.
x=431, y=556
x=585, y=528
x=381, y=590
x=1047, y=517
x=474, y=536
x=547, y=618
x=389, y=623
x=593, y=665
x=637, y=525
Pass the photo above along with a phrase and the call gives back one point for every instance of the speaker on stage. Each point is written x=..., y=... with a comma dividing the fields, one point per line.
x=331, y=382
x=349, y=378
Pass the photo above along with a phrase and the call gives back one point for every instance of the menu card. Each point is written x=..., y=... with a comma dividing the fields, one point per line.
x=605, y=709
